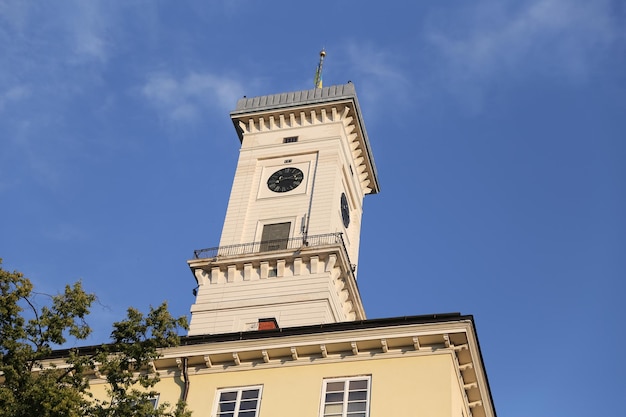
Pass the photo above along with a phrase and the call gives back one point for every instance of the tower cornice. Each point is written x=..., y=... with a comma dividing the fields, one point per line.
x=287, y=264
x=334, y=104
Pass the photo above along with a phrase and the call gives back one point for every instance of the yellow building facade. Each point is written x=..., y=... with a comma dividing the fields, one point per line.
x=278, y=327
x=409, y=366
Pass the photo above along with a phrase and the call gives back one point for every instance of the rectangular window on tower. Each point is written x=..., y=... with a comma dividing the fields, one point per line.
x=238, y=402
x=346, y=397
x=275, y=236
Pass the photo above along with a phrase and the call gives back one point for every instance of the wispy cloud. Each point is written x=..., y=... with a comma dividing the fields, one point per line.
x=488, y=40
x=375, y=62
x=186, y=98
x=89, y=24
x=52, y=56
x=376, y=70
x=69, y=32
x=13, y=95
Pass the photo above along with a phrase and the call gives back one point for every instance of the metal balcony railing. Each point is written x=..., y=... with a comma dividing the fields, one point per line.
x=271, y=245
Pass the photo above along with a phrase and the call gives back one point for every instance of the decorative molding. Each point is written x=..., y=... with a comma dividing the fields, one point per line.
x=475, y=404
x=416, y=343
x=471, y=385
x=459, y=348
x=466, y=366
x=383, y=344
x=289, y=118
x=330, y=260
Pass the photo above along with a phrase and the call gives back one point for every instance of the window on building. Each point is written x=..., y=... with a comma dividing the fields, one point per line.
x=346, y=397
x=275, y=236
x=238, y=402
x=290, y=139
x=154, y=400
x=138, y=406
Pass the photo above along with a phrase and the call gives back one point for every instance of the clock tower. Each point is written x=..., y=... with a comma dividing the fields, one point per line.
x=289, y=248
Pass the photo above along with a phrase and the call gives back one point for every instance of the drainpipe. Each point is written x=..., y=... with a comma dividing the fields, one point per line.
x=308, y=215
x=185, y=379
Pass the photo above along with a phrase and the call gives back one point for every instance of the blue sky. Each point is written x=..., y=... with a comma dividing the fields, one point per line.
x=498, y=129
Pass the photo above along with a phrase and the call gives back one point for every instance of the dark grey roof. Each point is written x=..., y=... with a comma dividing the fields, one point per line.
x=295, y=331
x=328, y=328
x=295, y=98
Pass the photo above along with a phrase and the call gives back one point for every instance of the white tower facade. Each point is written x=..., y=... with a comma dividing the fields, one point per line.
x=290, y=241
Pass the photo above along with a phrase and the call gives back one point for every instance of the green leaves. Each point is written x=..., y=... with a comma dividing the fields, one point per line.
x=31, y=386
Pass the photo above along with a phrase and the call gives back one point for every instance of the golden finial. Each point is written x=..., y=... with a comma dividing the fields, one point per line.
x=318, y=73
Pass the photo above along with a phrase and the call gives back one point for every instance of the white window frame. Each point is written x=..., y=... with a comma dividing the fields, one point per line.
x=239, y=391
x=346, y=381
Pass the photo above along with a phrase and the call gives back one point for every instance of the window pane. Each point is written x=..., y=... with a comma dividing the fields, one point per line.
x=334, y=397
x=228, y=396
x=226, y=415
x=248, y=405
x=359, y=414
x=358, y=384
x=335, y=386
x=333, y=408
x=357, y=395
x=247, y=413
x=224, y=407
x=360, y=406
x=248, y=394
x=275, y=236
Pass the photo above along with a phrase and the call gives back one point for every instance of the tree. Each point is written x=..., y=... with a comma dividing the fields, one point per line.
x=30, y=386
